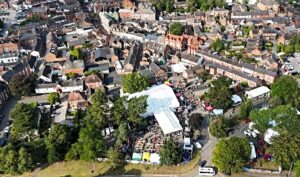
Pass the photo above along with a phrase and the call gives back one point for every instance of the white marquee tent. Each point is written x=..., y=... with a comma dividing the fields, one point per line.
x=161, y=101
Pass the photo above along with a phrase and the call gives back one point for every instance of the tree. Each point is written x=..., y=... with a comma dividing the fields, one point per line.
x=11, y=162
x=53, y=97
x=98, y=113
x=195, y=121
x=231, y=154
x=222, y=81
x=21, y=85
x=122, y=134
x=136, y=107
x=285, y=148
x=218, y=127
x=297, y=168
x=25, y=161
x=76, y=53
x=25, y=119
x=285, y=116
x=170, y=153
x=119, y=111
x=219, y=3
x=176, y=28
x=217, y=45
x=115, y=158
x=160, y=5
x=169, y=6
x=134, y=82
x=220, y=97
x=245, y=109
x=91, y=142
x=57, y=143
x=74, y=152
x=285, y=87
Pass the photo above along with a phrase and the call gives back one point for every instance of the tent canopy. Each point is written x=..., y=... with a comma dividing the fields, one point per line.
x=159, y=97
x=178, y=68
x=218, y=111
x=270, y=133
x=146, y=156
x=137, y=156
x=168, y=121
x=155, y=158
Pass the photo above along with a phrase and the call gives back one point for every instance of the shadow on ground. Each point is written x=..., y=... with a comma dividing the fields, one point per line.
x=121, y=171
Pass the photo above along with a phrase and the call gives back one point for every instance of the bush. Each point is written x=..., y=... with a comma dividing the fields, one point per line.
x=176, y=28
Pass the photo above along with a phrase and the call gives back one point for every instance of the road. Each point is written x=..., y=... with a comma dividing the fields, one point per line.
x=5, y=110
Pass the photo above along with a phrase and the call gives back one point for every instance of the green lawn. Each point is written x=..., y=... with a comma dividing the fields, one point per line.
x=85, y=169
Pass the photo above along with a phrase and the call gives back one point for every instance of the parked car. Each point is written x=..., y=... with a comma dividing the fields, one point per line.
x=202, y=163
x=9, y=122
x=7, y=129
x=198, y=145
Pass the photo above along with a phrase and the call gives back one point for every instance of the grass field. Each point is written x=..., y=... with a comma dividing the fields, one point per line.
x=89, y=169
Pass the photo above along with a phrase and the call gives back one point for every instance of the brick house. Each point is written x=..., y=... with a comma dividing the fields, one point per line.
x=77, y=102
x=73, y=67
x=93, y=82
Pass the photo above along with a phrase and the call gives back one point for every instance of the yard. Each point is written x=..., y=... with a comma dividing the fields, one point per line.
x=84, y=169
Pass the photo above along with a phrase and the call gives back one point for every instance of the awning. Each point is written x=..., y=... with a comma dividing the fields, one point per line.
x=178, y=68
x=137, y=156
x=218, y=111
x=146, y=156
x=236, y=99
x=155, y=158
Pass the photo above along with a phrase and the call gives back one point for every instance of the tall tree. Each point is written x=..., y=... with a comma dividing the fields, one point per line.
x=170, y=153
x=115, y=158
x=122, y=134
x=99, y=97
x=195, y=121
x=21, y=85
x=245, y=109
x=53, y=97
x=222, y=81
x=57, y=143
x=134, y=83
x=286, y=118
x=119, y=111
x=285, y=87
x=11, y=162
x=231, y=154
x=297, y=168
x=219, y=3
x=136, y=107
x=285, y=148
x=25, y=119
x=91, y=142
x=74, y=152
x=25, y=161
x=218, y=127
x=219, y=97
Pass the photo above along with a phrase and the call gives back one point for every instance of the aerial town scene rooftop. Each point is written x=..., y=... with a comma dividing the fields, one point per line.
x=150, y=88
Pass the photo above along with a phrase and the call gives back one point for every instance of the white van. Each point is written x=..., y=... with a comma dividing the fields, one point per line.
x=207, y=171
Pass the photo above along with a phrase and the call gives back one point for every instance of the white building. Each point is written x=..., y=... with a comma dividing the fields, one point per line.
x=259, y=92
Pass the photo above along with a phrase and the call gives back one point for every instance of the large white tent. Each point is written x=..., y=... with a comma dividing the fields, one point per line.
x=258, y=92
x=167, y=120
x=159, y=97
x=161, y=102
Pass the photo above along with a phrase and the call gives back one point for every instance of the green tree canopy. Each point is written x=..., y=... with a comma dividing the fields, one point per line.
x=25, y=119
x=231, y=154
x=21, y=85
x=57, y=143
x=219, y=126
x=222, y=81
x=220, y=97
x=285, y=88
x=122, y=134
x=53, y=97
x=25, y=161
x=245, y=109
x=176, y=28
x=136, y=107
x=134, y=82
x=11, y=162
x=195, y=121
x=170, y=153
x=297, y=168
x=91, y=142
x=285, y=148
x=286, y=118
x=115, y=158
x=119, y=111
